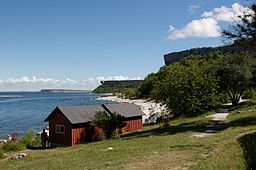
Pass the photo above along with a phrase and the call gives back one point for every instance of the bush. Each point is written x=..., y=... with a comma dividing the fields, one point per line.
x=37, y=140
x=30, y=139
x=13, y=147
x=109, y=123
x=249, y=94
x=2, y=155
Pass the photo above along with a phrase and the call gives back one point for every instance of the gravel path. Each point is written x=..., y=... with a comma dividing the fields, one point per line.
x=216, y=124
x=219, y=116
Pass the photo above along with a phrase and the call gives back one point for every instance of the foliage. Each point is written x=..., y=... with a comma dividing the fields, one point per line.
x=235, y=73
x=147, y=86
x=245, y=28
x=27, y=140
x=117, y=86
x=129, y=93
x=13, y=146
x=30, y=139
x=109, y=123
x=2, y=155
x=187, y=88
x=249, y=93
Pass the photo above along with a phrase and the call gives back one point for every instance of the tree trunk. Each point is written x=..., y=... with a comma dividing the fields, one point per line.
x=235, y=97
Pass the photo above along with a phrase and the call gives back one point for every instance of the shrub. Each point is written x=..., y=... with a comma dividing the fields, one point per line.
x=13, y=147
x=109, y=123
x=249, y=94
x=30, y=139
x=2, y=155
x=37, y=140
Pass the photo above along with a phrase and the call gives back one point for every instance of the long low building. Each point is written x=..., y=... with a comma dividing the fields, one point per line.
x=71, y=125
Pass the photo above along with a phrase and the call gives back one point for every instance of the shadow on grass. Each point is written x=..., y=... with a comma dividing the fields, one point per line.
x=212, y=126
x=248, y=144
x=243, y=121
x=203, y=127
x=40, y=147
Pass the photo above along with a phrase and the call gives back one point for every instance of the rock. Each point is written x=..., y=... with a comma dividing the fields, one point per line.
x=19, y=155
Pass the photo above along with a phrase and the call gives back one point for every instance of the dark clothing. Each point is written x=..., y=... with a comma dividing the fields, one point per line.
x=44, y=138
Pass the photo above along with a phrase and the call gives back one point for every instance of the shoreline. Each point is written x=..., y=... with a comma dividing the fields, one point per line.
x=151, y=109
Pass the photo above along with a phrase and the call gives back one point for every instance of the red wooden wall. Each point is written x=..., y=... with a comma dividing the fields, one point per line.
x=85, y=133
x=59, y=118
x=133, y=124
x=80, y=133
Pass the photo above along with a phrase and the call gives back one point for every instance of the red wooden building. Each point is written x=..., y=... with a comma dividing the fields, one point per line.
x=71, y=125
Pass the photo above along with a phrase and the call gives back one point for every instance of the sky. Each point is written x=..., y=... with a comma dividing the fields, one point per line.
x=75, y=44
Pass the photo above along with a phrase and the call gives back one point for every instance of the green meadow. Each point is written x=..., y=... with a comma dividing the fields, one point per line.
x=162, y=146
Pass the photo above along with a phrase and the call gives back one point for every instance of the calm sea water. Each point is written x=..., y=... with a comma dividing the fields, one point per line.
x=21, y=111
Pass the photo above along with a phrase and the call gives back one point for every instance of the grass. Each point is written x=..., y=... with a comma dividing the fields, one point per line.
x=170, y=146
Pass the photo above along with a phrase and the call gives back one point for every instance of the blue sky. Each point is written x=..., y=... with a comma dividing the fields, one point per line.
x=76, y=43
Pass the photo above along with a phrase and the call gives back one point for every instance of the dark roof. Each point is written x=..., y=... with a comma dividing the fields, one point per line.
x=83, y=114
x=124, y=109
x=79, y=114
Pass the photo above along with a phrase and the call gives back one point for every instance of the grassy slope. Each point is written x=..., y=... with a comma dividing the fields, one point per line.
x=156, y=147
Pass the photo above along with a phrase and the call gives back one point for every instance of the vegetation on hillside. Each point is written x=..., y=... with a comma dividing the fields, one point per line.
x=199, y=83
x=125, y=87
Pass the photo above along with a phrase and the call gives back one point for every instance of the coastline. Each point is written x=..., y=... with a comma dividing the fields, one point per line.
x=151, y=109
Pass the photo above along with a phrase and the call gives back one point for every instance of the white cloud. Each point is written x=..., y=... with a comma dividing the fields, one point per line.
x=206, y=27
x=35, y=83
x=193, y=7
x=226, y=14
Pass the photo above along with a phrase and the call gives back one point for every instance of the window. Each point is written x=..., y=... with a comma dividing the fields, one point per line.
x=59, y=129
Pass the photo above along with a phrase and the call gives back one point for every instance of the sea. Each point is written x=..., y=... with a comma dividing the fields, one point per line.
x=22, y=111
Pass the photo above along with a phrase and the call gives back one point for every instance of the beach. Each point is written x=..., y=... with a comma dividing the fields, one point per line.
x=152, y=109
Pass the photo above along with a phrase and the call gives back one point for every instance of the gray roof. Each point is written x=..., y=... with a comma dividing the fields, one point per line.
x=79, y=114
x=83, y=114
x=124, y=109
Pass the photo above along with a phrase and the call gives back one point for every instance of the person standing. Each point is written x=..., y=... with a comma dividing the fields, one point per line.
x=43, y=138
x=9, y=138
x=14, y=138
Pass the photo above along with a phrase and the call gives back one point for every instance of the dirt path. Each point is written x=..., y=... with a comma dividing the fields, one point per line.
x=216, y=124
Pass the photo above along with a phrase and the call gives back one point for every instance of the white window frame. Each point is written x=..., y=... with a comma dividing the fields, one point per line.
x=58, y=128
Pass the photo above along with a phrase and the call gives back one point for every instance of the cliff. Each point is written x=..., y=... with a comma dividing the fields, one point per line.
x=233, y=48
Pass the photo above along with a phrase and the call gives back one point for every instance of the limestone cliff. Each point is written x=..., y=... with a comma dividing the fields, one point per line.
x=233, y=48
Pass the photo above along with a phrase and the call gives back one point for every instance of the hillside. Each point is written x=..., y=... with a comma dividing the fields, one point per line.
x=169, y=146
x=233, y=48
x=117, y=86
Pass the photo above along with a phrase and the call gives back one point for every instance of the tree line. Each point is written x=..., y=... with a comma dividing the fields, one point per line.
x=201, y=82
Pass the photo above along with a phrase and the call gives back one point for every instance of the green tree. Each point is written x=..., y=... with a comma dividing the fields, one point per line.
x=235, y=73
x=147, y=86
x=109, y=123
x=187, y=88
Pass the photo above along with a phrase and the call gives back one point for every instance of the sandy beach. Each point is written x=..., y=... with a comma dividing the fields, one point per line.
x=151, y=109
